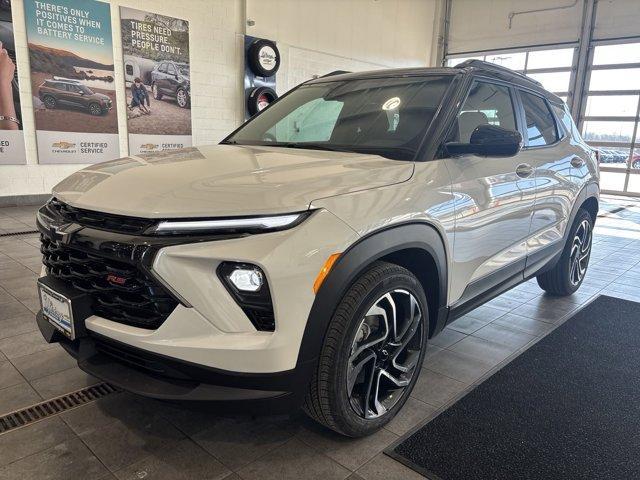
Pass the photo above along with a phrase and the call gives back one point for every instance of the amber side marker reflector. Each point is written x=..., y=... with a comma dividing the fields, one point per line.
x=324, y=271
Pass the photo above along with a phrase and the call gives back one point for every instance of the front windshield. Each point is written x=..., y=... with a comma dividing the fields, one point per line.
x=385, y=116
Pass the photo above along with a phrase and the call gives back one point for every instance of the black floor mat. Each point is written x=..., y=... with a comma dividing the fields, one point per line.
x=567, y=408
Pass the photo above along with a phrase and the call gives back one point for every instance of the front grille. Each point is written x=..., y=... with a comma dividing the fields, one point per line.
x=99, y=220
x=131, y=296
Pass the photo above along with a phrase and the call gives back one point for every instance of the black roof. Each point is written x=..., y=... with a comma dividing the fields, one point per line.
x=478, y=67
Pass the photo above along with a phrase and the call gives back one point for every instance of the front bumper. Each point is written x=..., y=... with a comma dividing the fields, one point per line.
x=157, y=376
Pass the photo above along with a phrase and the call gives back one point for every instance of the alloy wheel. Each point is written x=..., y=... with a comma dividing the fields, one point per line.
x=384, y=354
x=580, y=249
x=95, y=109
x=182, y=98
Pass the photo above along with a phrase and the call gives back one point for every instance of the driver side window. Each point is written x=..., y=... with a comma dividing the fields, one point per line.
x=312, y=122
x=486, y=104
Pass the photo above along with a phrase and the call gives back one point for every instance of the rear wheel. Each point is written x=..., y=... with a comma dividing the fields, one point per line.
x=568, y=274
x=372, y=353
x=50, y=102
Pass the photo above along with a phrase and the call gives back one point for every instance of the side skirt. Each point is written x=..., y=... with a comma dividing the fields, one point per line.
x=489, y=287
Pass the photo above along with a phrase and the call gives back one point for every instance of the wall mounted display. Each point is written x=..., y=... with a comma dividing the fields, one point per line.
x=72, y=78
x=11, y=136
x=262, y=60
x=157, y=80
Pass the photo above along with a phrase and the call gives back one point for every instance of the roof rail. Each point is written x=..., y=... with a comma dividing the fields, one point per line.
x=335, y=72
x=492, y=66
x=63, y=79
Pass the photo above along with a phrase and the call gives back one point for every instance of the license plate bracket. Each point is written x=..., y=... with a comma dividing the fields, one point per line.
x=64, y=308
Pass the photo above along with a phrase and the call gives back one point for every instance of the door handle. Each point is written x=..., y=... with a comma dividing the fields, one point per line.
x=524, y=170
x=577, y=162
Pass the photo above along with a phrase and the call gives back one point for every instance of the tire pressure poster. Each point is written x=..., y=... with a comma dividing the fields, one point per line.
x=157, y=81
x=71, y=60
x=11, y=137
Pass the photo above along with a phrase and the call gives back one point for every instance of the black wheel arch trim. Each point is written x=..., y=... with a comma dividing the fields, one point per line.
x=368, y=249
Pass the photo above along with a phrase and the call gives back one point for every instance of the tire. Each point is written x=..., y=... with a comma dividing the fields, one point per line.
x=156, y=92
x=182, y=98
x=636, y=164
x=257, y=97
x=567, y=275
x=350, y=331
x=95, y=109
x=50, y=102
x=253, y=58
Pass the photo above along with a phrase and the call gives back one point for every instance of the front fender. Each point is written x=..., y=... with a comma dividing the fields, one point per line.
x=352, y=264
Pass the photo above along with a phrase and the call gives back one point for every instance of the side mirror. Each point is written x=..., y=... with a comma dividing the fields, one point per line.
x=488, y=141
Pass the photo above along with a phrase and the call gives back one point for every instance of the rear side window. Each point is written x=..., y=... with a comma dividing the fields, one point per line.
x=541, y=127
x=486, y=104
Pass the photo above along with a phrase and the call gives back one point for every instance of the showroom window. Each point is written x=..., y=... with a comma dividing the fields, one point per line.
x=611, y=111
x=551, y=67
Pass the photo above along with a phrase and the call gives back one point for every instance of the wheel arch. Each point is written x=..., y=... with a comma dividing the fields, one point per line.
x=591, y=205
x=417, y=246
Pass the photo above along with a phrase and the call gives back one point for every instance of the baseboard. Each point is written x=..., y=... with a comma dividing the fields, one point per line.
x=24, y=200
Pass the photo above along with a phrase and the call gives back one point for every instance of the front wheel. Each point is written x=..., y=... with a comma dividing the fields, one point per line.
x=95, y=109
x=156, y=92
x=568, y=274
x=182, y=98
x=372, y=353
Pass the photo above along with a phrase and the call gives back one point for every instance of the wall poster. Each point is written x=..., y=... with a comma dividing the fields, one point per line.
x=157, y=80
x=72, y=77
x=11, y=136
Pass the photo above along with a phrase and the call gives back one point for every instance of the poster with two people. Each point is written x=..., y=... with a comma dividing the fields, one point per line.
x=72, y=80
x=157, y=80
x=11, y=137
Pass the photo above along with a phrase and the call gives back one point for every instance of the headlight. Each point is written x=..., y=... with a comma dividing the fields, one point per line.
x=230, y=225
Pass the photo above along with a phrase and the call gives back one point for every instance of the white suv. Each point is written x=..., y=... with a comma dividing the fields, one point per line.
x=308, y=258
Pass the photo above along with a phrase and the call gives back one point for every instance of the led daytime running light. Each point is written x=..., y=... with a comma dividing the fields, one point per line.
x=265, y=223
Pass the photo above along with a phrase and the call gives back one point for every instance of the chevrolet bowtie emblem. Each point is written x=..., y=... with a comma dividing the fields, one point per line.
x=62, y=233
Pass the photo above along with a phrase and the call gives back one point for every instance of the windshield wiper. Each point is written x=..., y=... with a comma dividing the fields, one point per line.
x=305, y=145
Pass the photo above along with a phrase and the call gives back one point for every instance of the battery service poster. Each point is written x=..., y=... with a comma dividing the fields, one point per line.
x=72, y=77
x=11, y=135
x=157, y=80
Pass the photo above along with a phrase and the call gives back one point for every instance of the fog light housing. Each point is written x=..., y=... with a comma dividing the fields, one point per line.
x=248, y=286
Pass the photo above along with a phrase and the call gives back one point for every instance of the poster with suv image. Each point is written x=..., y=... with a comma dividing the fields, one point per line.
x=157, y=81
x=71, y=61
x=11, y=137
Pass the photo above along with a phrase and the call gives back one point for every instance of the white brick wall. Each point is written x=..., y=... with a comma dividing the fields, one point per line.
x=314, y=37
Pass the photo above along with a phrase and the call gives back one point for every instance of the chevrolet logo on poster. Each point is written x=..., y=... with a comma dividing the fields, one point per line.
x=63, y=145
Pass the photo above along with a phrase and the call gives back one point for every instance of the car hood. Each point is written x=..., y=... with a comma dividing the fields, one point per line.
x=225, y=180
x=100, y=96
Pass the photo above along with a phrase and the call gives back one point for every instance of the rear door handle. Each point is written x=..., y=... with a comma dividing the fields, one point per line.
x=577, y=162
x=524, y=170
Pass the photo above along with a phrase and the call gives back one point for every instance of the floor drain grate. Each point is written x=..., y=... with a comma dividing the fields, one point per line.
x=15, y=234
x=55, y=406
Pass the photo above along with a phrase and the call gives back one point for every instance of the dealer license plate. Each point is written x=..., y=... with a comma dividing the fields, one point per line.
x=56, y=309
